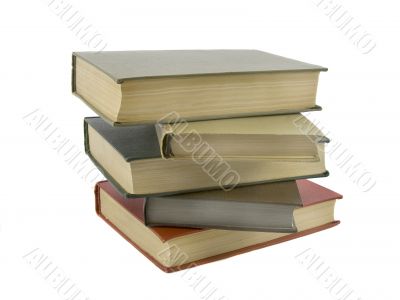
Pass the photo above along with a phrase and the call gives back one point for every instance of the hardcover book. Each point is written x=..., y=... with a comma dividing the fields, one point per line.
x=174, y=249
x=263, y=207
x=139, y=87
x=277, y=138
x=130, y=157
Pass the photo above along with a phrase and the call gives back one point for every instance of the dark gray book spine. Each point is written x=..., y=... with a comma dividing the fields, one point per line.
x=227, y=215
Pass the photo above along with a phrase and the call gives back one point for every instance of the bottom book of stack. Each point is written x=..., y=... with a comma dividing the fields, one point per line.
x=173, y=249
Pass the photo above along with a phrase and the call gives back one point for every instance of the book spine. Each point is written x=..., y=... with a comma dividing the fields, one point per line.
x=73, y=74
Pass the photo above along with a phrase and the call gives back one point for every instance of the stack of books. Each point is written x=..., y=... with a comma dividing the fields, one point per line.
x=205, y=152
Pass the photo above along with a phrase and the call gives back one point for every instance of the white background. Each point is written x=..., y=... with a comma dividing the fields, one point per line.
x=45, y=204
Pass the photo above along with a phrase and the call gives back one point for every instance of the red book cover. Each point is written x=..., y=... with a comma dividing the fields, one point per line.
x=310, y=193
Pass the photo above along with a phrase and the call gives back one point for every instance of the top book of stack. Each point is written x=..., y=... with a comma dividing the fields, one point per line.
x=134, y=87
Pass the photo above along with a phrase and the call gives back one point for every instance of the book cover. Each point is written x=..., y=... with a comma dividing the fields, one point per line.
x=311, y=194
x=140, y=144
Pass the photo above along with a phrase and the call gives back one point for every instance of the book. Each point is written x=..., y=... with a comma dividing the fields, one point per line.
x=130, y=157
x=174, y=249
x=263, y=207
x=136, y=87
x=273, y=137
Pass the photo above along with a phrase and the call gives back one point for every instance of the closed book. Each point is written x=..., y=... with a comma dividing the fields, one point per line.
x=130, y=157
x=174, y=249
x=135, y=87
x=276, y=138
x=262, y=207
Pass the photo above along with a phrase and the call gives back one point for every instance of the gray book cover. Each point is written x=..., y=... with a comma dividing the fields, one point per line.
x=263, y=207
x=124, y=65
x=140, y=142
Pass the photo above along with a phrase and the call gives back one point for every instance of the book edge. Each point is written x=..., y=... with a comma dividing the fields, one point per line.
x=271, y=113
x=130, y=195
x=222, y=255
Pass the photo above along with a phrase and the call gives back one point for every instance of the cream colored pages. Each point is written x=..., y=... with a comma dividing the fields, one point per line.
x=289, y=126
